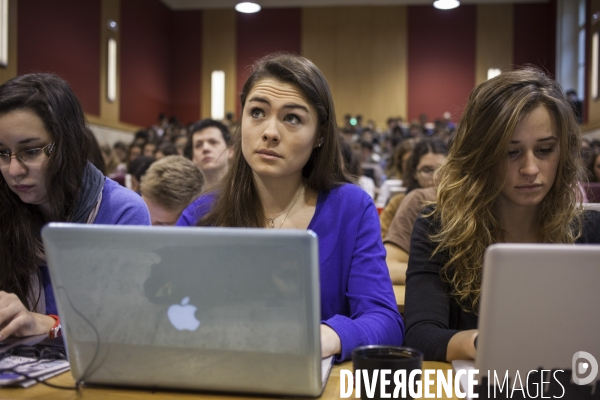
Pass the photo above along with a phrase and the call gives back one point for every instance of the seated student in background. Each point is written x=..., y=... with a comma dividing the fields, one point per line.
x=120, y=151
x=425, y=158
x=49, y=164
x=111, y=161
x=137, y=169
x=209, y=147
x=169, y=186
x=149, y=149
x=368, y=164
x=135, y=151
x=397, y=239
x=352, y=168
x=511, y=176
x=165, y=149
x=286, y=173
x=396, y=165
x=398, y=162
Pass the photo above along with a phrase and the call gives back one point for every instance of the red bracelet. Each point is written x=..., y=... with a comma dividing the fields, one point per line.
x=56, y=330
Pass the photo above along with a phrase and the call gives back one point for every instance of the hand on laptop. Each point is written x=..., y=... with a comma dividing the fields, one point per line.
x=330, y=342
x=16, y=320
x=462, y=346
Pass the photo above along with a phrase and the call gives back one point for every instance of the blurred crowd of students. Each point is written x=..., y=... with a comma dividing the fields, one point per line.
x=387, y=163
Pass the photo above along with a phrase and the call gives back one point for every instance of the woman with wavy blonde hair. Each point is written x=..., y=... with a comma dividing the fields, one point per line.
x=511, y=176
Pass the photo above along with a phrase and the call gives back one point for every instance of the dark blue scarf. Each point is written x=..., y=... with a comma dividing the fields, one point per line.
x=89, y=193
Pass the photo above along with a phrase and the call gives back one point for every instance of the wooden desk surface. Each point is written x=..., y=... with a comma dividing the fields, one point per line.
x=39, y=391
x=399, y=293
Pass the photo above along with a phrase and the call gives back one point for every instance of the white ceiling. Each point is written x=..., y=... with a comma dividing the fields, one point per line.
x=206, y=4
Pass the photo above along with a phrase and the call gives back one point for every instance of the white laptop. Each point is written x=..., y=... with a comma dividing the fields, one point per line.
x=211, y=309
x=539, y=308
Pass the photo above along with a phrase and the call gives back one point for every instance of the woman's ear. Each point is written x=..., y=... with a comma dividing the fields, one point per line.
x=319, y=142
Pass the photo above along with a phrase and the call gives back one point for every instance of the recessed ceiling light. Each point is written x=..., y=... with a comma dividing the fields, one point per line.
x=247, y=7
x=446, y=4
x=112, y=25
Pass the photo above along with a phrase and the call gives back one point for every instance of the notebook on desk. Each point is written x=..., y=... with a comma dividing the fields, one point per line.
x=211, y=309
x=539, y=308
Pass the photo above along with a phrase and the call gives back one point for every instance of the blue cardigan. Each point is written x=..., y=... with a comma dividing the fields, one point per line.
x=119, y=206
x=357, y=300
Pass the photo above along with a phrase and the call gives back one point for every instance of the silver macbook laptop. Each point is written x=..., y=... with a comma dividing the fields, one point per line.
x=539, y=308
x=213, y=309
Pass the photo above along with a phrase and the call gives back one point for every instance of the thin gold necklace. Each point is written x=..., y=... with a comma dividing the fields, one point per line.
x=272, y=220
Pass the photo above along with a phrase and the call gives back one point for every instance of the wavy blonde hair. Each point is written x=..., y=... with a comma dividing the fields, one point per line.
x=471, y=180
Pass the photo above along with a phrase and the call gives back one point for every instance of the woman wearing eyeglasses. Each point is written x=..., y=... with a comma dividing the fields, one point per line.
x=425, y=159
x=50, y=171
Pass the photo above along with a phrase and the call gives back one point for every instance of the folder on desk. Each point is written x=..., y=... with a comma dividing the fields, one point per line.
x=17, y=369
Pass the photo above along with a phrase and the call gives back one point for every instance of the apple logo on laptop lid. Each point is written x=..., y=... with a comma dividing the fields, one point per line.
x=182, y=316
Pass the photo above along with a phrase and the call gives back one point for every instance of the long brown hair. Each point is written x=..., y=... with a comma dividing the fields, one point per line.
x=53, y=101
x=470, y=181
x=237, y=203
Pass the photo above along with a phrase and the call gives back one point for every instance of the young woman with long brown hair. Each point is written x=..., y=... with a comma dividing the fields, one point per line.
x=286, y=172
x=50, y=171
x=511, y=175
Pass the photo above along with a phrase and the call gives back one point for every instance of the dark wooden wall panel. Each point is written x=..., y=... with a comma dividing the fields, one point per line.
x=265, y=32
x=441, y=60
x=62, y=37
x=145, y=61
x=535, y=35
x=186, y=57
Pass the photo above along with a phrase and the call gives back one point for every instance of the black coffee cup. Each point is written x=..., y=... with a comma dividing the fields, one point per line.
x=373, y=360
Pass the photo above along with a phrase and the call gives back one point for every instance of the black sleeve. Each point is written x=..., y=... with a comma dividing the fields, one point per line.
x=427, y=303
x=591, y=227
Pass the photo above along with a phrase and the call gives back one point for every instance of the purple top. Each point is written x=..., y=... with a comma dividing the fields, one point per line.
x=119, y=206
x=357, y=300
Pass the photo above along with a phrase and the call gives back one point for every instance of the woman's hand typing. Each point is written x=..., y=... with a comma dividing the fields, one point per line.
x=16, y=320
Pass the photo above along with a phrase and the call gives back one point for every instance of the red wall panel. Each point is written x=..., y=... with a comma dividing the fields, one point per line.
x=62, y=37
x=441, y=60
x=186, y=64
x=265, y=32
x=535, y=35
x=145, y=61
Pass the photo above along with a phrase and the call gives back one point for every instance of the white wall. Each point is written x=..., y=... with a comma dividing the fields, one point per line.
x=595, y=134
x=110, y=135
x=567, y=45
